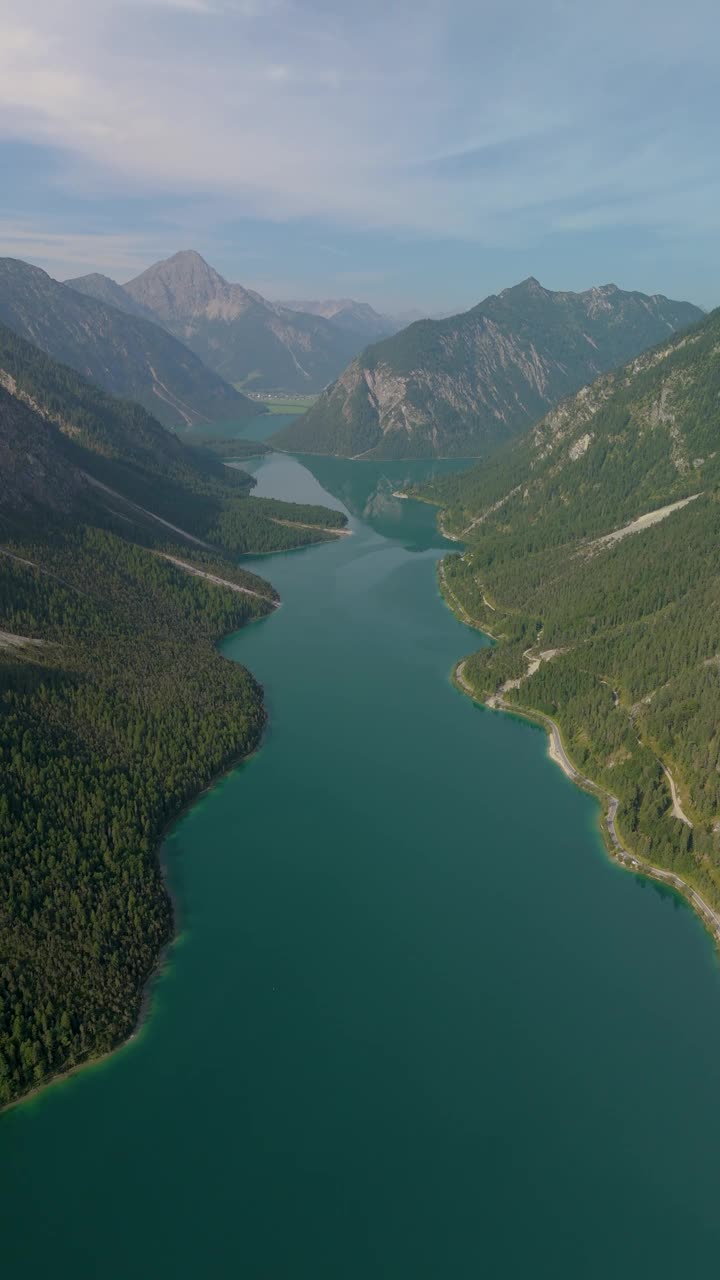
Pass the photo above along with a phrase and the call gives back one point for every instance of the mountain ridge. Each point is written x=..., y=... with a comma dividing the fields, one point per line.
x=242, y=336
x=461, y=385
x=357, y=317
x=103, y=289
x=590, y=556
x=165, y=482
x=128, y=355
x=238, y=333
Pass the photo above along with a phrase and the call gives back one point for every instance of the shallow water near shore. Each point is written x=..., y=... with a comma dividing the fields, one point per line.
x=417, y=1024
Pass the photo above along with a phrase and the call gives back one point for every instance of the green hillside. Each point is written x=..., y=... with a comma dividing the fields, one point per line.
x=115, y=705
x=624, y=631
x=123, y=447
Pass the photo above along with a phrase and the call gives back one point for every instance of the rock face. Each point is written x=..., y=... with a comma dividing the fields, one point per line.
x=248, y=340
x=637, y=439
x=125, y=354
x=185, y=287
x=461, y=386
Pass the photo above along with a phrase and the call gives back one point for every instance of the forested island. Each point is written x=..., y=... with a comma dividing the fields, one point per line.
x=117, y=578
x=591, y=558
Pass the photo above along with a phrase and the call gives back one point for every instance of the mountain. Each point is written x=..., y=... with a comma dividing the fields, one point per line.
x=357, y=318
x=462, y=385
x=125, y=354
x=591, y=556
x=238, y=333
x=402, y=319
x=117, y=579
x=103, y=289
x=143, y=477
x=34, y=475
x=92, y=433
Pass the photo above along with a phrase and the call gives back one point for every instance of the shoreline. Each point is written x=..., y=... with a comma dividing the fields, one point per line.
x=160, y=964
x=458, y=608
x=614, y=847
x=337, y=531
x=360, y=457
x=300, y=546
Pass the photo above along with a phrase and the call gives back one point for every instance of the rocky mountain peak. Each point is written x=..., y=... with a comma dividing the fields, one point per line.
x=241, y=335
x=185, y=286
x=530, y=288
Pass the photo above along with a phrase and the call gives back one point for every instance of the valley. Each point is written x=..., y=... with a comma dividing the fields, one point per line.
x=386, y=988
x=133, y=560
x=359, y=641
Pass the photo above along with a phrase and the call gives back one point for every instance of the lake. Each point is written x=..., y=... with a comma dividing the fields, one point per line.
x=415, y=1024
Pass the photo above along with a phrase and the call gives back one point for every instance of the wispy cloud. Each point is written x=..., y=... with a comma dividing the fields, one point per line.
x=240, y=8
x=500, y=122
x=64, y=253
x=190, y=6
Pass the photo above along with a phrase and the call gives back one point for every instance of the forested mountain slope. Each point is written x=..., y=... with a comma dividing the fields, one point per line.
x=461, y=386
x=592, y=557
x=115, y=706
x=127, y=355
x=124, y=448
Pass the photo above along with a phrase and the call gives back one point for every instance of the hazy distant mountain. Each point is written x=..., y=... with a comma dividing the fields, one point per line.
x=240, y=334
x=103, y=289
x=124, y=354
x=402, y=319
x=354, y=317
x=460, y=385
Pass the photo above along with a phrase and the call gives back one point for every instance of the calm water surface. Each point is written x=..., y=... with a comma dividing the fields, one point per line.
x=416, y=1025
x=258, y=428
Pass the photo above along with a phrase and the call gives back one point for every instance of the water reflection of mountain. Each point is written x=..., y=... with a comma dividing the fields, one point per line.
x=368, y=491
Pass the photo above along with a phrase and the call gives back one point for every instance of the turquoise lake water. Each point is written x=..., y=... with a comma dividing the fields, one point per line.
x=416, y=1024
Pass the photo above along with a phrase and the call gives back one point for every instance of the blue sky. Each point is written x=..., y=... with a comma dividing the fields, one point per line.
x=411, y=153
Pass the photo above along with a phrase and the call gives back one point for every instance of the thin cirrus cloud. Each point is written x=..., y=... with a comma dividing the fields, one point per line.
x=243, y=8
x=76, y=253
x=496, y=121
